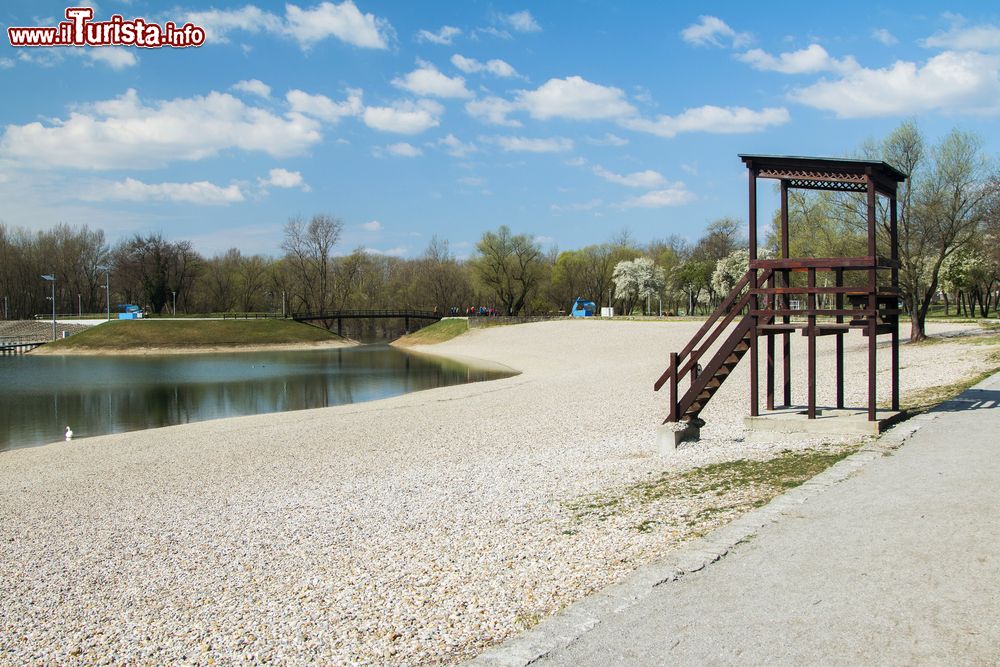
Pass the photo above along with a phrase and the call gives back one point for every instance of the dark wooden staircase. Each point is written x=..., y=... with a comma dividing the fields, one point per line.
x=706, y=379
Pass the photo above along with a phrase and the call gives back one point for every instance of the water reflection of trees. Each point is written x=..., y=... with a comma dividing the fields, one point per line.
x=106, y=395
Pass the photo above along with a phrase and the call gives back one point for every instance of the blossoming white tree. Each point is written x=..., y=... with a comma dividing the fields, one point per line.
x=636, y=280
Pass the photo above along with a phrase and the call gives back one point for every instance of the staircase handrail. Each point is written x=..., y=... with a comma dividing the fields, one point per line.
x=724, y=308
x=699, y=383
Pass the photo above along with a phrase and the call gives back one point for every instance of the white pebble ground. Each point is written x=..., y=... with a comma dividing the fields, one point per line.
x=417, y=529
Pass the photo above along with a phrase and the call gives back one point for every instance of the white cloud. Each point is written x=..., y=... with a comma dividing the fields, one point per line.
x=322, y=107
x=343, y=21
x=813, y=58
x=199, y=192
x=710, y=30
x=117, y=58
x=883, y=36
x=218, y=23
x=399, y=251
x=372, y=226
x=521, y=21
x=676, y=194
x=282, y=178
x=125, y=132
x=404, y=149
x=6, y=63
x=544, y=240
x=493, y=110
x=495, y=66
x=638, y=179
x=454, y=147
x=608, y=139
x=712, y=119
x=472, y=181
x=576, y=98
x=307, y=26
x=253, y=87
x=428, y=81
x=443, y=36
x=973, y=38
x=404, y=117
x=955, y=82
x=530, y=145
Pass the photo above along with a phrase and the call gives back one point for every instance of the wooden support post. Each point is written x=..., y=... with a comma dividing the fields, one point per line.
x=872, y=299
x=840, y=341
x=811, y=331
x=894, y=250
x=673, y=388
x=786, y=337
x=770, y=348
x=340, y=327
x=752, y=238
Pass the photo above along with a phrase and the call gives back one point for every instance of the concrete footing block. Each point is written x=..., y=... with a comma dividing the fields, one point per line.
x=668, y=436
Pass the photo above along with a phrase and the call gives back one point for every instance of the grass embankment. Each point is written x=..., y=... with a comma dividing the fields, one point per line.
x=132, y=334
x=438, y=332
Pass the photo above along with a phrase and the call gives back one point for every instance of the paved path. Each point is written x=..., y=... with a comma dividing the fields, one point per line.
x=897, y=563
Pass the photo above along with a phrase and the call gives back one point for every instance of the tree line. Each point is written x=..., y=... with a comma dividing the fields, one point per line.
x=509, y=272
x=949, y=241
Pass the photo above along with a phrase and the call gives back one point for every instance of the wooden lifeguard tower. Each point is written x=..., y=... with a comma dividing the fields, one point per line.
x=760, y=302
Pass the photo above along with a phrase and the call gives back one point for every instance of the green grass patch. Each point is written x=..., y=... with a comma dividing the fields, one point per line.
x=721, y=488
x=121, y=334
x=438, y=332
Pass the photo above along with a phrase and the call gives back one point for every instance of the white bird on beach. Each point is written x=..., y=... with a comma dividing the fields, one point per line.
x=69, y=434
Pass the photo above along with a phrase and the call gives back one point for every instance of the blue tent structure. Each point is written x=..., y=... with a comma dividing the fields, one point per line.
x=128, y=311
x=583, y=308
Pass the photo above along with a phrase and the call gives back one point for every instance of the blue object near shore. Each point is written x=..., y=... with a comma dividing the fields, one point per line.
x=583, y=308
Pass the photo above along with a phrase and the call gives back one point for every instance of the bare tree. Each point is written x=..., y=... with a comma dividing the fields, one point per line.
x=309, y=252
x=942, y=207
x=442, y=281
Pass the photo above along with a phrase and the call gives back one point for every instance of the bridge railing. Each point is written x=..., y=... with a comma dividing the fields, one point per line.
x=371, y=312
x=254, y=316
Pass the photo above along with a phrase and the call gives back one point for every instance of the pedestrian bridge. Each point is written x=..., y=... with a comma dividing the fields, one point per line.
x=392, y=313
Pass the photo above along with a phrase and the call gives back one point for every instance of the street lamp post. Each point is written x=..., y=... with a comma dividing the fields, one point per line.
x=282, y=303
x=175, y=302
x=52, y=279
x=79, y=304
x=107, y=286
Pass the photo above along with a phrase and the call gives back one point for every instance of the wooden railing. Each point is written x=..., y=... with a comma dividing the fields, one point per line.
x=687, y=361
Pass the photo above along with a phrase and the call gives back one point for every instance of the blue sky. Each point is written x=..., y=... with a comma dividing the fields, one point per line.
x=567, y=120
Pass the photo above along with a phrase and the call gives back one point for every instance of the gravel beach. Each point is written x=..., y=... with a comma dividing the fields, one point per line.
x=413, y=530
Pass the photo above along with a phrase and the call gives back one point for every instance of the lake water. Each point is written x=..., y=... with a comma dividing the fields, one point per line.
x=41, y=395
